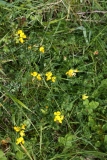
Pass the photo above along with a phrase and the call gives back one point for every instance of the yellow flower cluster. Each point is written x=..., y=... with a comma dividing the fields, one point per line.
x=84, y=96
x=58, y=117
x=71, y=72
x=21, y=131
x=37, y=75
x=41, y=49
x=50, y=77
x=21, y=36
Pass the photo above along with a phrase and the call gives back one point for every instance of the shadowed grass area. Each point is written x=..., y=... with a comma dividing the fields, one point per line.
x=53, y=80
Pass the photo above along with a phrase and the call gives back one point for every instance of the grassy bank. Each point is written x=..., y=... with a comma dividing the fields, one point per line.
x=53, y=80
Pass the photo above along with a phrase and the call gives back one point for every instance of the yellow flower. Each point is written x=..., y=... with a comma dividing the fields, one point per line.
x=53, y=79
x=17, y=129
x=39, y=77
x=41, y=49
x=34, y=74
x=19, y=32
x=21, y=35
x=61, y=118
x=58, y=117
x=84, y=96
x=20, y=140
x=57, y=113
x=23, y=126
x=48, y=75
x=71, y=72
x=22, y=133
x=48, y=78
x=21, y=40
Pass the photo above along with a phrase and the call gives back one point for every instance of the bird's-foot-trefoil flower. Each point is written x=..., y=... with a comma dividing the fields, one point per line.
x=37, y=75
x=20, y=140
x=50, y=77
x=53, y=79
x=58, y=117
x=71, y=72
x=84, y=96
x=21, y=133
x=41, y=49
x=17, y=129
x=34, y=74
x=20, y=36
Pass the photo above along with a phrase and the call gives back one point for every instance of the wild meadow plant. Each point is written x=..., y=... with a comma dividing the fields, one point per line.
x=53, y=74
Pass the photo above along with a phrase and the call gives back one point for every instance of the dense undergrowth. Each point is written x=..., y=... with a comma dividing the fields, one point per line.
x=53, y=80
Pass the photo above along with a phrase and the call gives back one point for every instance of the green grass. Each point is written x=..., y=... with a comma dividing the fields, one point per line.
x=73, y=34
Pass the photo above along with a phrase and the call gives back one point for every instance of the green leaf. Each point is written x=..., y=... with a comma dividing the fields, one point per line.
x=93, y=104
x=86, y=102
x=61, y=140
x=2, y=155
x=67, y=140
x=105, y=139
x=69, y=106
x=104, y=127
x=97, y=144
x=3, y=158
x=19, y=155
